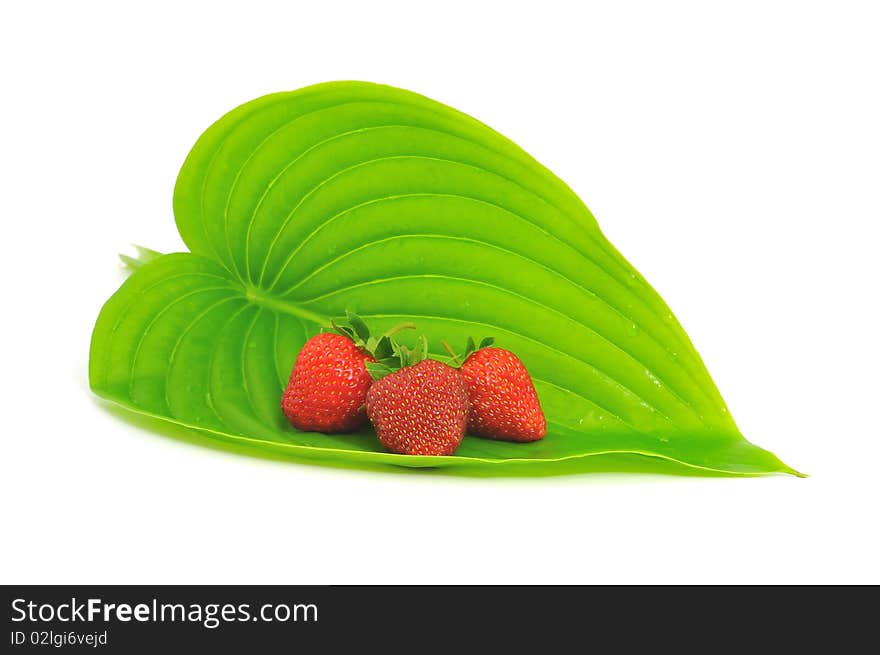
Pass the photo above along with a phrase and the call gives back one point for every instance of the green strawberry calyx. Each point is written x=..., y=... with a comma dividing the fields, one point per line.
x=399, y=357
x=385, y=349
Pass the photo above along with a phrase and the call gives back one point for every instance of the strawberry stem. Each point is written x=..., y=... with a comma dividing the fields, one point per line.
x=451, y=352
x=398, y=328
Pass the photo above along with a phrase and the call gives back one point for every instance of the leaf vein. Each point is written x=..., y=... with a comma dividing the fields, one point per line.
x=683, y=346
x=539, y=264
x=347, y=169
x=153, y=322
x=132, y=301
x=209, y=397
x=174, y=350
x=244, y=377
x=284, y=169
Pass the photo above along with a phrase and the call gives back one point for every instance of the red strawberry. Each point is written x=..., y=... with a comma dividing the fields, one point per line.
x=419, y=409
x=502, y=398
x=328, y=385
x=329, y=382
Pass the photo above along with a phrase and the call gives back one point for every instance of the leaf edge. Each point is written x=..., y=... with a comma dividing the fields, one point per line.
x=355, y=458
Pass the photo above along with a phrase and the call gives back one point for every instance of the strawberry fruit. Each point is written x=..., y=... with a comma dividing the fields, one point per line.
x=419, y=409
x=502, y=398
x=328, y=385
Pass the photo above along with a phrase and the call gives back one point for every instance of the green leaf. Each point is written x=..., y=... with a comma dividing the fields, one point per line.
x=359, y=326
x=404, y=355
x=421, y=350
x=297, y=206
x=486, y=342
x=469, y=347
x=343, y=330
x=384, y=348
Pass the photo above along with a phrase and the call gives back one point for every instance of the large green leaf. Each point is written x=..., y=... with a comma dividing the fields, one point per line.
x=297, y=206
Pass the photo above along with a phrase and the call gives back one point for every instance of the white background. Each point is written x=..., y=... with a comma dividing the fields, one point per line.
x=730, y=150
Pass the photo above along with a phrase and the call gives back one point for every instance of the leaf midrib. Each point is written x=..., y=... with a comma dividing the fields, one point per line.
x=259, y=297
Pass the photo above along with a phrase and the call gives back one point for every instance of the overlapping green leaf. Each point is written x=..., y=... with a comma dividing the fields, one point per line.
x=351, y=196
